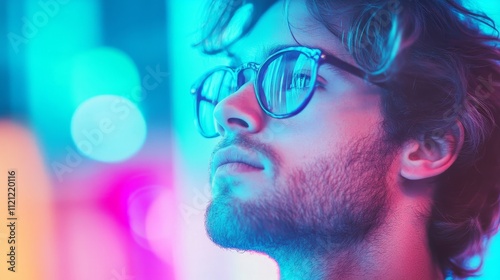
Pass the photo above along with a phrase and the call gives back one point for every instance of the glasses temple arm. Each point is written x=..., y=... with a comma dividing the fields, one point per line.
x=351, y=69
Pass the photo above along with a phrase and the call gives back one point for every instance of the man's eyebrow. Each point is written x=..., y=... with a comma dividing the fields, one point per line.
x=274, y=49
x=271, y=50
x=268, y=51
x=234, y=60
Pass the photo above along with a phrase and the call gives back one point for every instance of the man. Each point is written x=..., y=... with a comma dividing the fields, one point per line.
x=359, y=139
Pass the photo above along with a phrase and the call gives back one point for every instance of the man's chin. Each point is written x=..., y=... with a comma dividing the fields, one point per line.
x=222, y=224
x=228, y=226
x=238, y=224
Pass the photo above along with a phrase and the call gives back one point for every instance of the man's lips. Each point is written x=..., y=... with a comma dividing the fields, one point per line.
x=236, y=159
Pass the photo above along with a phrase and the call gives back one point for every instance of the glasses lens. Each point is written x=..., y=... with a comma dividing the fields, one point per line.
x=213, y=89
x=285, y=82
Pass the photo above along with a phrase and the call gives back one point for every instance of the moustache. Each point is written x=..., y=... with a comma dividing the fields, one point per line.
x=249, y=144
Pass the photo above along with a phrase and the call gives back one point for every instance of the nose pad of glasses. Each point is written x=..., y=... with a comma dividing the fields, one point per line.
x=244, y=76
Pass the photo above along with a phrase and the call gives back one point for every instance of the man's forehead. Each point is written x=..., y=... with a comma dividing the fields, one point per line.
x=270, y=30
x=283, y=26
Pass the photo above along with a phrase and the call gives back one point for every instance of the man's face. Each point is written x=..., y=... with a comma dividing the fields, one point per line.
x=319, y=176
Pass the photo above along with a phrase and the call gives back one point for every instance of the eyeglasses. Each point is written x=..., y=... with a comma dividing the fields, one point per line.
x=283, y=84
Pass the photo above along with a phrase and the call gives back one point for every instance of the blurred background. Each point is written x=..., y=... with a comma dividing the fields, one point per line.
x=97, y=122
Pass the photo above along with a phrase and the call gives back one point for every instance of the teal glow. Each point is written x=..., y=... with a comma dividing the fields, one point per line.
x=54, y=37
x=108, y=128
x=103, y=71
x=189, y=64
x=491, y=260
x=490, y=8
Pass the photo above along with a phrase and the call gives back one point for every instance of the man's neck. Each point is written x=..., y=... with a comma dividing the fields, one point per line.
x=397, y=250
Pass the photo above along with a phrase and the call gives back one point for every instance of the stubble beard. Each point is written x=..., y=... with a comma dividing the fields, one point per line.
x=332, y=203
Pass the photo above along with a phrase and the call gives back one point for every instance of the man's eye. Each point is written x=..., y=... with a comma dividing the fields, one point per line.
x=300, y=81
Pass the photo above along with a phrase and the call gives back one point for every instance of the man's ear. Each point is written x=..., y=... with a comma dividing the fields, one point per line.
x=431, y=156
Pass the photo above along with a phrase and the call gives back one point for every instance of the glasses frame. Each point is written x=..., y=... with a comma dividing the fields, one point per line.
x=317, y=55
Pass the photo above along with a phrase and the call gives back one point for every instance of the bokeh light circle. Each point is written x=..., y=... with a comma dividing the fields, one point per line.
x=108, y=128
x=152, y=216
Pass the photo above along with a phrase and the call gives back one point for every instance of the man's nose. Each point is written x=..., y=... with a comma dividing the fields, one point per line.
x=239, y=112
